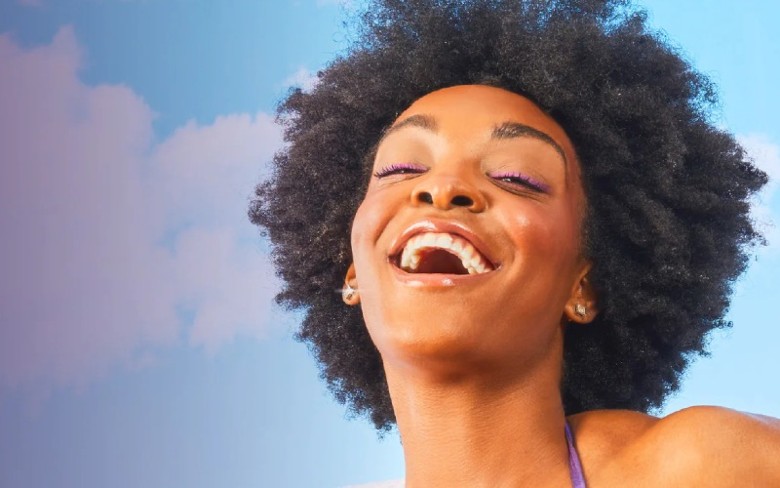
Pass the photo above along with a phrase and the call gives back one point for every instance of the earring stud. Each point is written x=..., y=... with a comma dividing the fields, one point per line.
x=580, y=310
x=348, y=293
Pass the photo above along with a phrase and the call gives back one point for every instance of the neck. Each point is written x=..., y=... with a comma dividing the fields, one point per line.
x=477, y=431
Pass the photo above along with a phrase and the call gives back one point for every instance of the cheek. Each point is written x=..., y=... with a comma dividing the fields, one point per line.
x=370, y=219
x=366, y=230
x=546, y=238
x=361, y=232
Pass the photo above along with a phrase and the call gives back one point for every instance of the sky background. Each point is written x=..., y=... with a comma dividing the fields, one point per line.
x=139, y=345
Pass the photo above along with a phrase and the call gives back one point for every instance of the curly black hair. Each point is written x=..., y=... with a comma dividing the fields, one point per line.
x=668, y=228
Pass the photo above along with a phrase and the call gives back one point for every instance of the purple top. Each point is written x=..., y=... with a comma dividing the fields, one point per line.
x=575, y=468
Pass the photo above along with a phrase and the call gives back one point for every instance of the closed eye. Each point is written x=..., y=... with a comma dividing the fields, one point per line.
x=400, y=169
x=521, y=181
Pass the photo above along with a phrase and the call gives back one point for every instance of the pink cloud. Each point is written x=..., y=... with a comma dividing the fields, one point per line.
x=86, y=199
x=210, y=171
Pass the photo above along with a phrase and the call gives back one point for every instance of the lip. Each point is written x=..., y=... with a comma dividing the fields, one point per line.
x=442, y=226
x=437, y=280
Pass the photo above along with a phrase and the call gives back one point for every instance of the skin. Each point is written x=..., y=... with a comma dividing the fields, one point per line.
x=474, y=363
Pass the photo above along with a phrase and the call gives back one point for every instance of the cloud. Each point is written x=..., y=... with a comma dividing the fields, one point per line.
x=303, y=79
x=209, y=172
x=766, y=155
x=114, y=246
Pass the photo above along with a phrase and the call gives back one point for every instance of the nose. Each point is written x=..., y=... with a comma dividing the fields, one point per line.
x=446, y=192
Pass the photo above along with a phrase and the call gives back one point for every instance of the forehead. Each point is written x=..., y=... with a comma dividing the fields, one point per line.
x=467, y=108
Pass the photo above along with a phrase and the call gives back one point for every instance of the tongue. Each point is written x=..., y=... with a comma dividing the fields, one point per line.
x=440, y=261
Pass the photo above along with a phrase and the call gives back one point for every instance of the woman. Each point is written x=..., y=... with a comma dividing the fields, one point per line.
x=534, y=225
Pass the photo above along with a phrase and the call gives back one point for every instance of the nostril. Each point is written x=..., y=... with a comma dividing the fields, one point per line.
x=425, y=197
x=462, y=201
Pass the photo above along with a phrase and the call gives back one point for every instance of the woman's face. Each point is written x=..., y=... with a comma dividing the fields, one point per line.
x=467, y=245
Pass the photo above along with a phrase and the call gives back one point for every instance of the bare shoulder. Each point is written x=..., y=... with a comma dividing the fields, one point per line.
x=697, y=446
x=723, y=447
x=607, y=442
x=610, y=431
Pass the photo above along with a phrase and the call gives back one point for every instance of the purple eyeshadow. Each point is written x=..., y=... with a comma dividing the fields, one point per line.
x=522, y=179
x=399, y=168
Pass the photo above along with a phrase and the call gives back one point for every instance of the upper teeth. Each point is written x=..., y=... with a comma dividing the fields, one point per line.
x=471, y=259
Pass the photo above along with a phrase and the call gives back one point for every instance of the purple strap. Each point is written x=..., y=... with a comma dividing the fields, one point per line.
x=575, y=468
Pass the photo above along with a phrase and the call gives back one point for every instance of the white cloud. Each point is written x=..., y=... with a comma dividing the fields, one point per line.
x=303, y=79
x=113, y=246
x=766, y=155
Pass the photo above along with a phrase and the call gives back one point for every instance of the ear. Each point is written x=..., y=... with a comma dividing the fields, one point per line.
x=350, y=293
x=582, y=306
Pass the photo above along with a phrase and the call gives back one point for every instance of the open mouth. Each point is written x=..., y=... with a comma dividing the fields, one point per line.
x=442, y=253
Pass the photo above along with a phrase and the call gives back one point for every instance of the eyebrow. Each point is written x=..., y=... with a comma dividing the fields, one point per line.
x=422, y=121
x=510, y=130
x=505, y=130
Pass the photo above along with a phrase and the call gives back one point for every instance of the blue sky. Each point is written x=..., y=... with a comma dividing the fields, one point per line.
x=139, y=345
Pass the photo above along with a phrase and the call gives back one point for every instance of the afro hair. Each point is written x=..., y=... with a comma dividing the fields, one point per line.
x=668, y=228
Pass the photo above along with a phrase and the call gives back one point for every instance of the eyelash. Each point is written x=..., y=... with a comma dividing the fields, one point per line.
x=399, y=169
x=517, y=179
x=511, y=178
